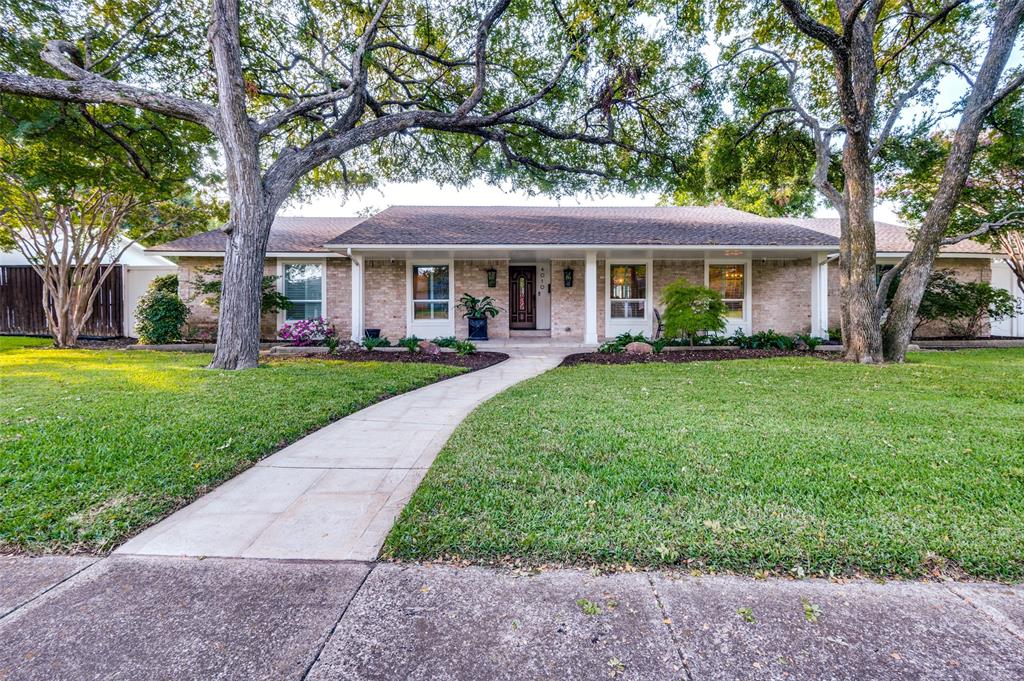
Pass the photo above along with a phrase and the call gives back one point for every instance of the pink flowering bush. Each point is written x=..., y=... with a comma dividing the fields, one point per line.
x=306, y=332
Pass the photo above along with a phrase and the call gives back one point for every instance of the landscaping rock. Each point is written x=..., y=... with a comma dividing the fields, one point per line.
x=638, y=348
x=429, y=347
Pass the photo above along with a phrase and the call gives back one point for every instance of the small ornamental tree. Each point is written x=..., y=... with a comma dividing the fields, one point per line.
x=964, y=306
x=271, y=300
x=691, y=310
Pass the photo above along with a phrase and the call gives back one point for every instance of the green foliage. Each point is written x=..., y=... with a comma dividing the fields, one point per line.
x=160, y=315
x=464, y=347
x=478, y=308
x=332, y=342
x=762, y=340
x=811, y=342
x=98, y=445
x=778, y=465
x=165, y=282
x=964, y=306
x=619, y=343
x=379, y=342
x=691, y=310
x=271, y=299
x=445, y=341
x=410, y=343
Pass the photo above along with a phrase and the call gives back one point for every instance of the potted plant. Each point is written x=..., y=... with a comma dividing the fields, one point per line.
x=476, y=311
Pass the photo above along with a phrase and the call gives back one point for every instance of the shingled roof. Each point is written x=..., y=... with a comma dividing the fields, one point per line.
x=533, y=226
x=889, y=238
x=287, y=235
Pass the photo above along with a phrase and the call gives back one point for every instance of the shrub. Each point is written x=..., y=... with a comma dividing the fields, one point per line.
x=332, y=342
x=464, y=347
x=271, y=300
x=160, y=316
x=762, y=340
x=380, y=342
x=622, y=340
x=306, y=332
x=963, y=306
x=446, y=341
x=410, y=343
x=165, y=282
x=691, y=310
x=810, y=341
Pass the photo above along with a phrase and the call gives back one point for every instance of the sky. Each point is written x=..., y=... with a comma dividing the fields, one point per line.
x=482, y=194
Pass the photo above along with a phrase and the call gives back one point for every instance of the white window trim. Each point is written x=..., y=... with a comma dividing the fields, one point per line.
x=429, y=328
x=281, y=321
x=743, y=324
x=613, y=327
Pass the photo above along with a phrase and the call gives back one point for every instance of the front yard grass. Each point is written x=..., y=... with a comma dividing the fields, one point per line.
x=795, y=465
x=96, y=445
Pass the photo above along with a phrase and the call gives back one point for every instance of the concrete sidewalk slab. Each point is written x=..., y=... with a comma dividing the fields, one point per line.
x=23, y=578
x=164, y=618
x=415, y=622
x=334, y=494
x=741, y=628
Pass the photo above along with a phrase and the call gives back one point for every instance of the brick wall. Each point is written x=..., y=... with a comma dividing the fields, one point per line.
x=384, y=291
x=471, y=277
x=667, y=271
x=202, y=320
x=781, y=295
x=338, y=310
x=567, y=303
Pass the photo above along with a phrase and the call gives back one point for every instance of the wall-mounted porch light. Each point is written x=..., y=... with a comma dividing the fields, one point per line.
x=492, y=277
x=567, y=277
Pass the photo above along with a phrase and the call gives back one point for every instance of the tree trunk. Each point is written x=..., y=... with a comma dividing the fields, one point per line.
x=862, y=336
x=238, y=328
x=899, y=323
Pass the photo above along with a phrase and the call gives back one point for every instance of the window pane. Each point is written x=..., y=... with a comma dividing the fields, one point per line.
x=430, y=282
x=628, y=281
x=734, y=309
x=302, y=281
x=727, y=280
x=297, y=311
x=627, y=309
x=430, y=310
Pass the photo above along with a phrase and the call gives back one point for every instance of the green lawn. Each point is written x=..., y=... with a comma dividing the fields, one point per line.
x=794, y=465
x=97, y=445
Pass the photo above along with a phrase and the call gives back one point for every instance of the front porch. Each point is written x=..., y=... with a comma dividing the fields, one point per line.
x=568, y=297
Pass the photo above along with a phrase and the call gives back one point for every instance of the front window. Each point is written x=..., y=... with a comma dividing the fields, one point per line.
x=628, y=291
x=728, y=280
x=430, y=292
x=303, y=287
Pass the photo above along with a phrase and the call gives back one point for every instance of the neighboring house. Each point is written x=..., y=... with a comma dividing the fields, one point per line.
x=581, y=274
x=21, y=291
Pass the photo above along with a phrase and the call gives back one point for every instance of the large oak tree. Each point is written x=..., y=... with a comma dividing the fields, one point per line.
x=845, y=73
x=306, y=93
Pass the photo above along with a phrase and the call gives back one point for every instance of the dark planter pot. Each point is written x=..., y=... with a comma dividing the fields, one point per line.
x=477, y=328
x=372, y=333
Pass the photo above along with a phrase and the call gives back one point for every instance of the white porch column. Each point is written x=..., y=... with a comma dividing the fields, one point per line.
x=590, y=299
x=819, y=295
x=357, y=297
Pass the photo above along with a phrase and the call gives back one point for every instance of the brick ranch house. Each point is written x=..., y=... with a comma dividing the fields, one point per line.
x=582, y=274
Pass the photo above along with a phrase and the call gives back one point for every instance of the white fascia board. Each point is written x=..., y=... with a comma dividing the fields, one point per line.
x=320, y=255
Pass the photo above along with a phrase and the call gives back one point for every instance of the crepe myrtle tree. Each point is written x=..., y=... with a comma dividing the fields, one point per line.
x=845, y=72
x=327, y=92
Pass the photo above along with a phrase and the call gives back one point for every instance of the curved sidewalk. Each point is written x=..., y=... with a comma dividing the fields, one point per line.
x=334, y=494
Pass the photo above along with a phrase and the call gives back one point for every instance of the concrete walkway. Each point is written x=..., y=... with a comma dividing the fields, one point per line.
x=334, y=494
x=140, y=618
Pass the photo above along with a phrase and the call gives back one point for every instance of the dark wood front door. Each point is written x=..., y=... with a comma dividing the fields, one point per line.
x=522, y=297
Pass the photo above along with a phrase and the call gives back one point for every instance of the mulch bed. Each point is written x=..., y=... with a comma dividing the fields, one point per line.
x=680, y=356
x=478, y=360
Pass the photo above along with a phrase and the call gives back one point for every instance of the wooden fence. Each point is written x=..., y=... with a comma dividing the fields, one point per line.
x=21, y=304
